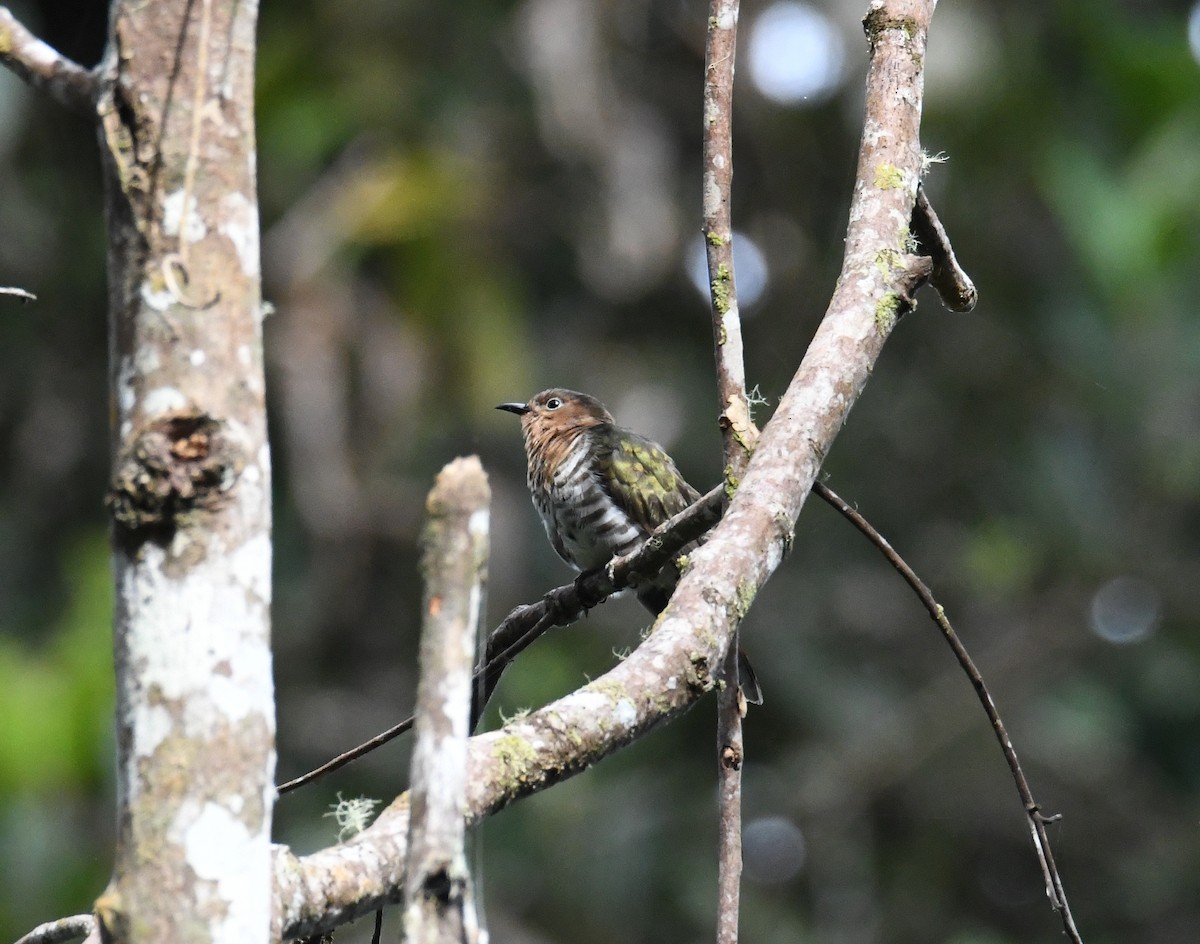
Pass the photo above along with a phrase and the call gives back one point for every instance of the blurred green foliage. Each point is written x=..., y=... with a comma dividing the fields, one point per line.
x=62, y=695
x=465, y=203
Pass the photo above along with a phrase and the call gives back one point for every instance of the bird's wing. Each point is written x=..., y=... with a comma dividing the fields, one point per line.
x=642, y=479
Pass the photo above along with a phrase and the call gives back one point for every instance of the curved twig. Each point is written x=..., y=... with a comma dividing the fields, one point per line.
x=1037, y=820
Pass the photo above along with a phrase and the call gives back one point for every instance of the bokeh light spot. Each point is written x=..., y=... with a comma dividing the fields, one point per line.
x=796, y=55
x=1194, y=32
x=773, y=849
x=749, y=269
x=1125, y=610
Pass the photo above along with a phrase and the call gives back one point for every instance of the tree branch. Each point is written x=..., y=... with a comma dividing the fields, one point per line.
x=875, y=287
x=1037, y=821
x=44, y=68
x=675, y=666
x=720, y=47
x=64, y=929
x=953, y=285
x=738, y=432
x=18, y=293
x=438, y=900
x=731, y=706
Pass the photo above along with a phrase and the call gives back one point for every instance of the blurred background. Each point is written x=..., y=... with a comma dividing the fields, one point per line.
x=465, y=203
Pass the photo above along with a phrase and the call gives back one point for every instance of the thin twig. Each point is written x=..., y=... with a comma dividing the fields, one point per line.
x=738, y=432
x=44, y=68
x=560, y=607
x=718, y=227
x=64, y=929
x=19, y=293
x=952, y=283
x=1037, y=820
x=731, y=754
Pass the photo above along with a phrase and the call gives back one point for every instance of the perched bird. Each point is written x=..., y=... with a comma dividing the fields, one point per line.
x=601, y=489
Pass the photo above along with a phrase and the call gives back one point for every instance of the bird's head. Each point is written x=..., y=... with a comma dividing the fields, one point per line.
x=558, y=411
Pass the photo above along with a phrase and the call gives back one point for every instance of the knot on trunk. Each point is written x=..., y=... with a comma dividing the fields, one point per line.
x=178, y=465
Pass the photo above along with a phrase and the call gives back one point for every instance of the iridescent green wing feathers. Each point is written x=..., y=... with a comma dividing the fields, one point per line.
x=641, y=478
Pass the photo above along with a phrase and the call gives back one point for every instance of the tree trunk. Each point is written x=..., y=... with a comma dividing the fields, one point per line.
x=190, y=496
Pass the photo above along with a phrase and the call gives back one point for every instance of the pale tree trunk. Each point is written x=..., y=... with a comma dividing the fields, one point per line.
x=190, y=496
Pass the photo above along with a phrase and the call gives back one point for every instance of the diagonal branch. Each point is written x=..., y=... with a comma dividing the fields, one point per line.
x=676, y=665
x=44, y=68
x=874, y=289
x=18, y=293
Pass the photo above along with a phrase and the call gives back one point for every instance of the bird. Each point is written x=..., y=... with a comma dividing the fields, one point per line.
x=600, y=490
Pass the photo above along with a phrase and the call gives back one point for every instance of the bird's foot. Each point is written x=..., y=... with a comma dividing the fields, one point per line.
x=587, y=596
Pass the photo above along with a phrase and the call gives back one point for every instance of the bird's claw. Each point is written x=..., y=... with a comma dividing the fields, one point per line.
x=587, y=598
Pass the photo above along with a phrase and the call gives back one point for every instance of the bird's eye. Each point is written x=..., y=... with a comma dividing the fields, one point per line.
x=553, y=403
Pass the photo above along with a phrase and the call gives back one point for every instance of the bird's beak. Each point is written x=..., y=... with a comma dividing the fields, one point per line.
x=519, y=408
